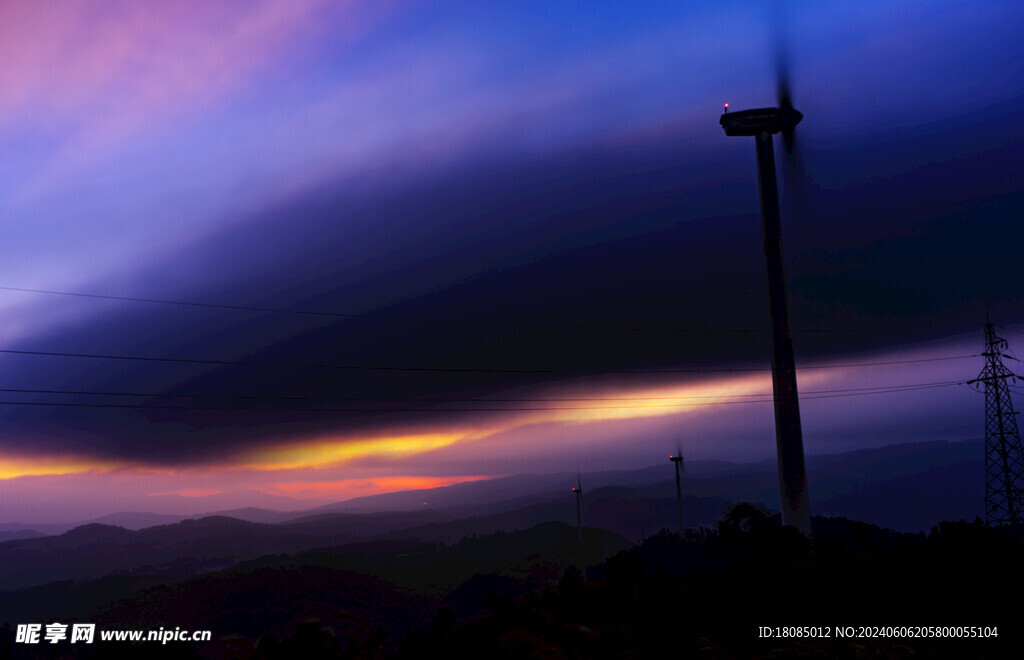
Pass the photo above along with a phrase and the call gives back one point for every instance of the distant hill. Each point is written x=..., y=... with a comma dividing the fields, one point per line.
x=150, y=510
x=459, y=500
x=915, y=502
x=18, y=534
x=831, y=478
x=385, y=585
x=904, y=487
x=834, y=482
x=518, y=489
x=137, y=519
x=181, y=549
x=41, y=528
x=142, y=520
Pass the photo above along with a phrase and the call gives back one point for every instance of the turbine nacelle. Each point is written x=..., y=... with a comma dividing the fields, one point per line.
x=760, y=120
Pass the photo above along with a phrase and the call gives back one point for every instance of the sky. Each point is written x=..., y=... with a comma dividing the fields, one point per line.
x=315, y=250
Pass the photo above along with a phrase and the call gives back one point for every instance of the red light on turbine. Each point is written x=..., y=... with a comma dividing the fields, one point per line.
x=727, y=107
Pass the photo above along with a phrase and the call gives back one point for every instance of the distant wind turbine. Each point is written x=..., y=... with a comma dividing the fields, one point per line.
x=579, y=505
x=678, y=460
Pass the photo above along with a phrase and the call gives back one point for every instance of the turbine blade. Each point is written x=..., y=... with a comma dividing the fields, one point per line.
x=794, y=177
x=784, y=90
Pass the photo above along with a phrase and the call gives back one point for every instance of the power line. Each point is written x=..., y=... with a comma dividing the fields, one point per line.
x=883, y=388
x=374, y=315
x=450, y=410
x=183, y=303
x=465, y=370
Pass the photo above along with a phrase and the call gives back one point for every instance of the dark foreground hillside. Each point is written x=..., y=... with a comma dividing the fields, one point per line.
x=538, y=594
x=713, y=595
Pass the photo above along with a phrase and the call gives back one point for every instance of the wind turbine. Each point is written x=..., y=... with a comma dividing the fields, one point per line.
x=762, y=124
x=678, y=460
x=579, y=505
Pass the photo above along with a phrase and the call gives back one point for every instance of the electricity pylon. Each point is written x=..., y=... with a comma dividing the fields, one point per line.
x=1004, y=460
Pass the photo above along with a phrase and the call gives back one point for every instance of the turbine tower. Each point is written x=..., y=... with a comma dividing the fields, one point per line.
x=762, y=124
x=579, y=505
x=678, y=460
x=1004, y=459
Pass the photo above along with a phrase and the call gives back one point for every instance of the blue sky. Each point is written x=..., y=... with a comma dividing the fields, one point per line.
x=538, y=194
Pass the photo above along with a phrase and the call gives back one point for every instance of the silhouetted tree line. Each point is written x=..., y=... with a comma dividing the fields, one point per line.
x=708, y=592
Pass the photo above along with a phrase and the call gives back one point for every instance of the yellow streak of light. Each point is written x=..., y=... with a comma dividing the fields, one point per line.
x=12, y=467
x=334, y=451
x=606, y=405
x=637, y=403
x=626, y=403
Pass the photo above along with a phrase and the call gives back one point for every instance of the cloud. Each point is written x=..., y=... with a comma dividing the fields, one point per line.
x=122, y=64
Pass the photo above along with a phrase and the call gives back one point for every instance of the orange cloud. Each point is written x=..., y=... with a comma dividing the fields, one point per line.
x=347, y=488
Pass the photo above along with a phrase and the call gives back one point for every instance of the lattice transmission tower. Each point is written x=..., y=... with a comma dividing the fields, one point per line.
x=1004, y=459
